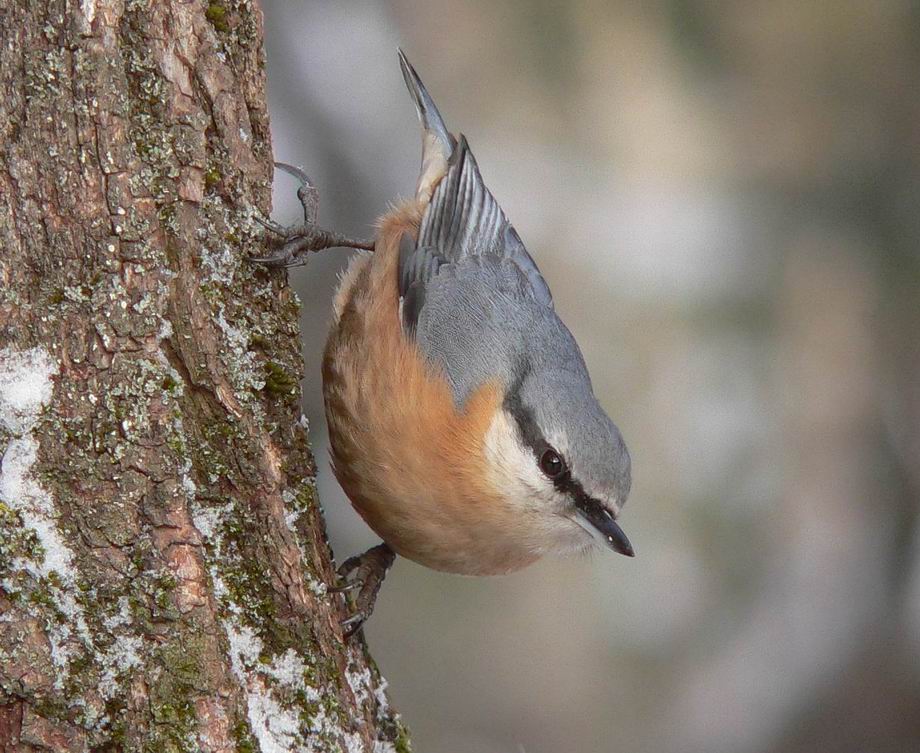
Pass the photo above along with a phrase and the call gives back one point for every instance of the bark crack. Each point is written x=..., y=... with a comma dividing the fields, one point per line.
x=193, y=614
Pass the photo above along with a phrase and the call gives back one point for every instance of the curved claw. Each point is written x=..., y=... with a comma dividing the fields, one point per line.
x=296, y=172
x=355, y=619
x=269, y=261
x=306, y=192
x=344, y=589
x=353, y=624
x=270, y=224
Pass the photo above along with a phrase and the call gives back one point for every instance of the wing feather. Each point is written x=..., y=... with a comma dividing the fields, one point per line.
x=463, y=220
x=470, y=292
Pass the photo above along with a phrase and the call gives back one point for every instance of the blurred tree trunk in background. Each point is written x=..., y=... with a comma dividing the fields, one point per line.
x=162, y=554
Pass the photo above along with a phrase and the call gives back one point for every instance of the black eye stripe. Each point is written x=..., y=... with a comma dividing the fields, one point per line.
x=533, y=438
x=524, y=417
x=530, y=431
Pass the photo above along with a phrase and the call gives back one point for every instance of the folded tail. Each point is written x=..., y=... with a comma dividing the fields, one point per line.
x=437, y=143
x=461, y=219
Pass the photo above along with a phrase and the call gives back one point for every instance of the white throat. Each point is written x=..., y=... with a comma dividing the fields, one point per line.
x=545, y=513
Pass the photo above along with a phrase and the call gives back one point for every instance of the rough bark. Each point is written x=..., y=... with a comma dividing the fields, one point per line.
x=162, y=553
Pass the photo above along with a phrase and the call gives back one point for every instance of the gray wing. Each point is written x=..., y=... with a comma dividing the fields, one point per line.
x=468, y=286
x=480, y=321
x=463, y=220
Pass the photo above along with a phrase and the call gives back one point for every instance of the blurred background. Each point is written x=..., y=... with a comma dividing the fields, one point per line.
x=724, y=199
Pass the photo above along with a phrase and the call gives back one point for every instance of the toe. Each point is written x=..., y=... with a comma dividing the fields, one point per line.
x=353, y=585
x=353, y=624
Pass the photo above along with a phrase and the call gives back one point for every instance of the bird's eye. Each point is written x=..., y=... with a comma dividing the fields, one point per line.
x=551, y=464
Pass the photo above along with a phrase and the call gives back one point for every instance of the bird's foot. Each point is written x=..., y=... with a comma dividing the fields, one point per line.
x=365, y=574
x=298, y=241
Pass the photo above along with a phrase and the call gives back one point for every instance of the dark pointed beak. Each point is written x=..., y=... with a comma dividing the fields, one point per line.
x=600, y=519
x=617, y=540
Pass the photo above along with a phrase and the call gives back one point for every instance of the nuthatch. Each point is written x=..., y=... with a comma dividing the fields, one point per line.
x=462, y=421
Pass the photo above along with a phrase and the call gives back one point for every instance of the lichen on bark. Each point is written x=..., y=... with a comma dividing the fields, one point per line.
x=162, y=554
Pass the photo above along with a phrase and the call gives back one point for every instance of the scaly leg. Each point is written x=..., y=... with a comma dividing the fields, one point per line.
x=369, y=570
x=300, y=240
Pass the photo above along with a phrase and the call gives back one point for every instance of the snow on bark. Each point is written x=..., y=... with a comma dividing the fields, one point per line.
x=163, y=564
x=25, y=388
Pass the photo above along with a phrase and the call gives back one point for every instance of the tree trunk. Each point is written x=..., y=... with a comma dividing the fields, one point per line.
x=163, y=563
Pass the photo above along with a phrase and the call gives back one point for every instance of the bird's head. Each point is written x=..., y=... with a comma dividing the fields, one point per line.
x=554, y=452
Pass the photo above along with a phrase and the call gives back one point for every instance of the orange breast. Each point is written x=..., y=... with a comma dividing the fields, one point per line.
x=410, y=462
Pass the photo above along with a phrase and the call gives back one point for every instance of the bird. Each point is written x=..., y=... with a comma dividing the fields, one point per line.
x=463, y=426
